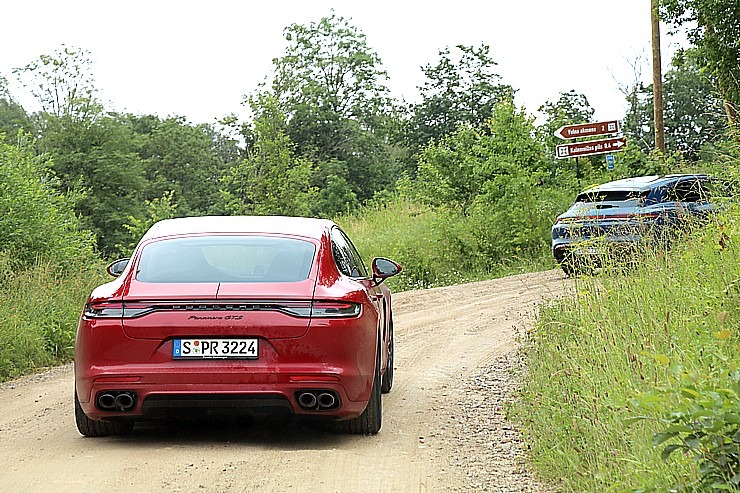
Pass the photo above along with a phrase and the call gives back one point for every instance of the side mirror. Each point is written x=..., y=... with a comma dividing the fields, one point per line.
x=116, y=268
x=384, y=268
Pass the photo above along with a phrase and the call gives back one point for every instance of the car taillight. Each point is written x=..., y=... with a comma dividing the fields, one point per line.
x=646, y=215
x=610, y=217
x=116, y=309
x=324, y=309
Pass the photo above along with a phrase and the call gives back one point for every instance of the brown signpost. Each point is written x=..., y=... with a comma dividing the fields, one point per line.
x=590, y=148
x=587, y=130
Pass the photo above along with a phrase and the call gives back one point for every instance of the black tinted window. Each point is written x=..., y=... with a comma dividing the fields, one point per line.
x=346, y=256
x=612, y=196
x=688, y=191
x=226, y=259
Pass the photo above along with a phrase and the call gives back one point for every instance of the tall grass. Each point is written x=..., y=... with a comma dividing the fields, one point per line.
x=436, y=246
x=610, y=353
x=39, y=308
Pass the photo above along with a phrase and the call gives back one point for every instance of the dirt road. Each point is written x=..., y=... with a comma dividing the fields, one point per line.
x=443, y=426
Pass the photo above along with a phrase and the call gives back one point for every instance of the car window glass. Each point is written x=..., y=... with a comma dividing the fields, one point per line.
x=612, y=196
x=341, y=258
x=688, y=191
x=347, y=258
x=358, y=263
x=226, y=259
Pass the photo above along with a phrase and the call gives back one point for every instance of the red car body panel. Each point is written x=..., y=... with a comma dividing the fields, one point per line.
x=136, y=354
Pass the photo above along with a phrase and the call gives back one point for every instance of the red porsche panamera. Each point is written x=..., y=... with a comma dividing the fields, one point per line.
x=245, y=315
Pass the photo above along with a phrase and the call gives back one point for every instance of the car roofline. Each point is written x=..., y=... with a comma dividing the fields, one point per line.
x=293, y=226
x=642, y=183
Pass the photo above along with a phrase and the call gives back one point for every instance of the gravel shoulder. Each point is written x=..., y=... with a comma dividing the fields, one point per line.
x=444, y=423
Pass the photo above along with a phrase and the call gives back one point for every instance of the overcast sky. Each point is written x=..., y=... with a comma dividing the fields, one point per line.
x=198, y=59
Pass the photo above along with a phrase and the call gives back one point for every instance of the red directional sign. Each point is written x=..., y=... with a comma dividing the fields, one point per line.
x=587, y=130
x=590, y=148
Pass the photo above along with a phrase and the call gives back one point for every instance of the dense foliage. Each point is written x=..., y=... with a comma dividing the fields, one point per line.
x=35, y=221
x=693, y=113
x=45, y=263
x=326, y=138
x=459, y=90
x=714, y=30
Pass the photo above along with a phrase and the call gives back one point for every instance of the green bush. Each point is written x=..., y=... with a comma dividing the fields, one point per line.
x=439, y=246
x=705, y=425
x=35, y=221
x=418, y=237
x=47, y=265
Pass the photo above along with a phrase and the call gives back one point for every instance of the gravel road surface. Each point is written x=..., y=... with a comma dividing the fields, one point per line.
x=444, y=423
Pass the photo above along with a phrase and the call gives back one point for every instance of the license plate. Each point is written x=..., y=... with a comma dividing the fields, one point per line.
x=588, y=251
x=215, y=349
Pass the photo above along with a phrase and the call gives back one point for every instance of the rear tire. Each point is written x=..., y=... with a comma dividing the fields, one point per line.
x=98, y=428
x=568, y=269
x=387, y=380
x=572, y=266
x=370, y=421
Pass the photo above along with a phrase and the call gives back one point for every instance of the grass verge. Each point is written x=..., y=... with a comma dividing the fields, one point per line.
x=609, y=366
x=435, y=246
x=39, y=308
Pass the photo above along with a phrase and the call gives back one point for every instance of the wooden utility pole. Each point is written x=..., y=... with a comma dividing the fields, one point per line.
x=657, y=80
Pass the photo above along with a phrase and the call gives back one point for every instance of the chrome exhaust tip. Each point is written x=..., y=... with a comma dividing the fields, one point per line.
x=116, y=400
x=326, y=400
x=106, y=401
x=124, y=401
x=307, y=400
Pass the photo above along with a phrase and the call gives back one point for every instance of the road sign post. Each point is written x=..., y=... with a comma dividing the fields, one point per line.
x=587, y=130
x=590, y=148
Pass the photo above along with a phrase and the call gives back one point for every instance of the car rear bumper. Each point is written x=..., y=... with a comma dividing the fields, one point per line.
x=174, y=391
x=336, y=357
x=562, y=248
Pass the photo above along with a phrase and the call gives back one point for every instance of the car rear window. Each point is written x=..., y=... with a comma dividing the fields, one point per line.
x=612, y=196
x=226, y=259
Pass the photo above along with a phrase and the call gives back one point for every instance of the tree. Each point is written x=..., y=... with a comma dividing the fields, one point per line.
x=638, y=123
x=571, y=108
x=181, y=158
x=714, y=30
x=36, y=221
x=693, y=112
x=100, y=158
x=92, y=152
x=62, y=84
x=462, y=89
x=329, y=70
x=473, y=161
x=13, y=117
x=330, y=86
x=693, y=108
x=271, y=180
x=491, y=179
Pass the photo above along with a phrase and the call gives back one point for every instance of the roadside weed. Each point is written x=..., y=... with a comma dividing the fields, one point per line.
x=605, y=365
x=39, y=308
